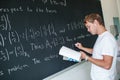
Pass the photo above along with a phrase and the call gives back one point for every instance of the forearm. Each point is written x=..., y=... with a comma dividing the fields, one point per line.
x=101, y=62
x=79, y=46
x=88, y=50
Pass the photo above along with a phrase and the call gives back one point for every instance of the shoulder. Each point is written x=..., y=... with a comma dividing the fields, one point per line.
x=108, y=37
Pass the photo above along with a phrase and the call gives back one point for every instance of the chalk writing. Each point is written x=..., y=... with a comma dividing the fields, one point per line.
x=13, y=37
x=1, y=73
x=4, y=55
x=29, y=9
x=16, y=68
x=42, y=31
x=12, y=10
x=37, y=9
x=2, y=43
x=36, y=61
x=19, y=51
x=75, y=25
x=55, y=2
x=50, y=57
x=50, y=10
x=32, y=32
x=5, y=22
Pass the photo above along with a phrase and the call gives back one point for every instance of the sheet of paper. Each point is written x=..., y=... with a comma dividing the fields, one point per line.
x=70, y=53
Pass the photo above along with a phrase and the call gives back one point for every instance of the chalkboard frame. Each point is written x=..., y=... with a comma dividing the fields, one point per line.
x=32, y=32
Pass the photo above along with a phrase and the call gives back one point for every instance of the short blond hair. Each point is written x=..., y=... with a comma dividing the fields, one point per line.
x=93, y=16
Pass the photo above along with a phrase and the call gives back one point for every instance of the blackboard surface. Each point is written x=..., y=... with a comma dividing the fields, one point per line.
x=33, y=31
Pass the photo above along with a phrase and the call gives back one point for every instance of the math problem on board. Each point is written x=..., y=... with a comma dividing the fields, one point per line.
x=32, y=32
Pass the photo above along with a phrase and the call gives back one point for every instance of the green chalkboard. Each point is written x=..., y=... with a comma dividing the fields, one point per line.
x=33, y=31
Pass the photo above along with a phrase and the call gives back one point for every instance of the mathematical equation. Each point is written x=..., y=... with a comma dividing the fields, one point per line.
x=11, y=41
x=34, y=44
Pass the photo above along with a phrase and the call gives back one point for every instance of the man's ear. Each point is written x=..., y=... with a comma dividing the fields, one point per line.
x=96, y=22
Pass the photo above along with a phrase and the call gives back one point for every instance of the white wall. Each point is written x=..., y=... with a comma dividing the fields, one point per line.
x=110, y=10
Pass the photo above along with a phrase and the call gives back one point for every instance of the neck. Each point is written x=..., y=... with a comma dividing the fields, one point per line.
x=101, y=30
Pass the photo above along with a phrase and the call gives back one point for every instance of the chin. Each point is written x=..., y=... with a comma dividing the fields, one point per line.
x=93, y=33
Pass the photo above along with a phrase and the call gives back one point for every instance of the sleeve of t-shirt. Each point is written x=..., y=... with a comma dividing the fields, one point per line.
x=108, y=46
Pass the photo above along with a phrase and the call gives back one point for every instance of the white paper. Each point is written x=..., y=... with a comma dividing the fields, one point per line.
x=70, y=53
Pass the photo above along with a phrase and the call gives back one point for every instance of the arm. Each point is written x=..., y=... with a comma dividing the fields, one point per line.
x=79, y=46
x=105, y=63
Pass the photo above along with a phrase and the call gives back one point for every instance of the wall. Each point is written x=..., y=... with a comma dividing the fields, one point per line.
x=110, y=10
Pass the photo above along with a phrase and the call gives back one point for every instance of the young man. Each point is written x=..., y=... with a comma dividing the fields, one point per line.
x=104, y=52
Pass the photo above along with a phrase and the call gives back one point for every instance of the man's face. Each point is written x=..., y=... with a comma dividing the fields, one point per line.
x=91, y=27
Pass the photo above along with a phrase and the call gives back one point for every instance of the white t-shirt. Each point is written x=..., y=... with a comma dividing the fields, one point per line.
x=105, y=45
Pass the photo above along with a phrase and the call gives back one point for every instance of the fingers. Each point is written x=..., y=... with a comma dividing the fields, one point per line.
x=83, y=55
x=78, y=45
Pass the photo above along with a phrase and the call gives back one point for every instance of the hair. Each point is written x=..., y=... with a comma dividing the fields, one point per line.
x=93, y=16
